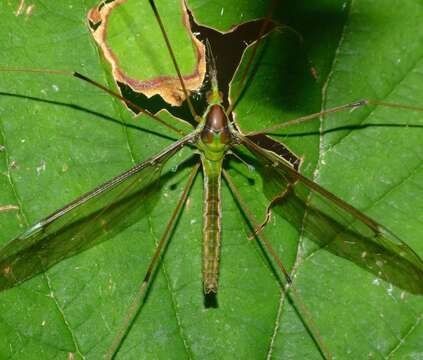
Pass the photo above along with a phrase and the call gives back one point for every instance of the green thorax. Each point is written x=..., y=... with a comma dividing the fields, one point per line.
x=215, y=129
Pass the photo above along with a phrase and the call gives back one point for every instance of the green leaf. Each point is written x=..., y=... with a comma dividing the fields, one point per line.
x=129, y=45
x=62, y=138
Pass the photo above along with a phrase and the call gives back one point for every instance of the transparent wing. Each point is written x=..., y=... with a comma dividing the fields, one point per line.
x=94, y=217
x=335, y=225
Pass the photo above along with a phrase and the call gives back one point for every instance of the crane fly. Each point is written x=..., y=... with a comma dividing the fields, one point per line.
x=326, y=220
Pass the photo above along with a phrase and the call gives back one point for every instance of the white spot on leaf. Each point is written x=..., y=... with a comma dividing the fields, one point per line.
x=41, y=167
x=376, y=282
x=20, y=8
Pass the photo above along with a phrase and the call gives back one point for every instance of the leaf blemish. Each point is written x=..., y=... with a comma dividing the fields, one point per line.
x=4, y=208
x=7, y=271
x=13, y=165
x=29, y=9
x=111, y=284
x=376, y=282
x=188, y=204
x=22, y=8
x=41, y=167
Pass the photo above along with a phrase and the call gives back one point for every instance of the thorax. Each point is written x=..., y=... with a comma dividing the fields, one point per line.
x=215, y=134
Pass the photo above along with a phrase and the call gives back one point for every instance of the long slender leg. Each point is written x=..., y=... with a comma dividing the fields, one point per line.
x=289, y=288
x=136, y=304
x=350, y=106
x=255, y=223
x=79, y=76
x=175, y=64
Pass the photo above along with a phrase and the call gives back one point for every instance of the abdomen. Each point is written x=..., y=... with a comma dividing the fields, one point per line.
x=211, y=224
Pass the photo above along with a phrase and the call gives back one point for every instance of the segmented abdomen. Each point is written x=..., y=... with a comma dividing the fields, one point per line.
x=211, y=225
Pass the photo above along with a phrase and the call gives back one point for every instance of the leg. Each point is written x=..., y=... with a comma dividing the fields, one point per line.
x=289, y=289
x=137, y=302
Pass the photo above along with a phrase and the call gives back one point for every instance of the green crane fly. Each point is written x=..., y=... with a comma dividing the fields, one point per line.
x=94, y=216
x=214, y=141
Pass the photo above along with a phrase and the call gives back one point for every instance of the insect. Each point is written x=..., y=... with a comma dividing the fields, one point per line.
x=104, y=272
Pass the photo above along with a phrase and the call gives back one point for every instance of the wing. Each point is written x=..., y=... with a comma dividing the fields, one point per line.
x=94, y=217
x=335, y=225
